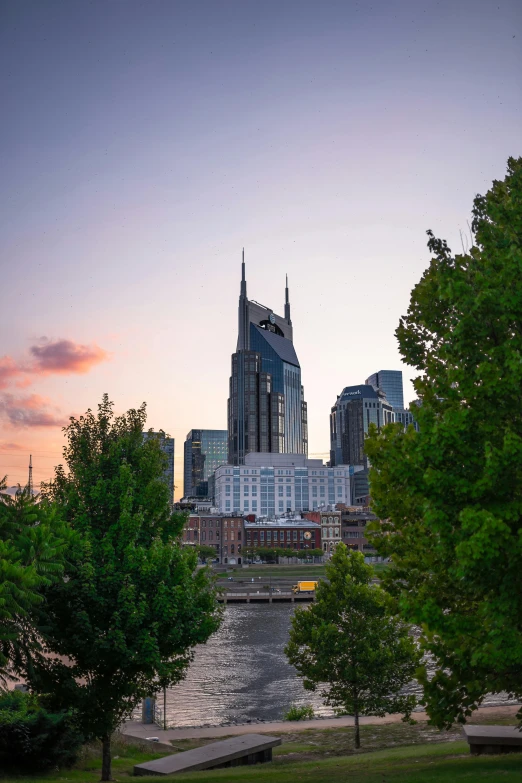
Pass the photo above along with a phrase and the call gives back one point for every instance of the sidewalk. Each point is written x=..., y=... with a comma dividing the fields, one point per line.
x=142, y=731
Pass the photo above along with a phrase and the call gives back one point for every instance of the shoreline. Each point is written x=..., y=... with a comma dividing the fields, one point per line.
x=142, y=731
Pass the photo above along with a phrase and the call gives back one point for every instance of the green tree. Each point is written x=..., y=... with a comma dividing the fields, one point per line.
x=133, y=603
x=451, y=494
x=33, y=542
x=206, y=552
x=349, y=644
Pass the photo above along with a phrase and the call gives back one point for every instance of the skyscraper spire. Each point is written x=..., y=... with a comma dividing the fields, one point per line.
x=243, y=278
x=30, y=479
x=242, y=334
x=287, y=304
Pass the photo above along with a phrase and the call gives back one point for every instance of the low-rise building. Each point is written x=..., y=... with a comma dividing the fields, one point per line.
x=330, y=522
x=354, y=520
x=284, y=533
x=224, y=533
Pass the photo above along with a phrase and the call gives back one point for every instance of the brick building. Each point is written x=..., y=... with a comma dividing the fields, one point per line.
x=354, y=520
x=224, y=533
x=283, y=534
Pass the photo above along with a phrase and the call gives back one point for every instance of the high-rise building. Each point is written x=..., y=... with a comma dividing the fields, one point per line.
x=167, y=446
x=355, y=409
x=266, y=407
x=389, y=382
x=204, y=451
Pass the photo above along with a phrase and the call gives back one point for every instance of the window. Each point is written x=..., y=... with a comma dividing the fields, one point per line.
x=295, y=535
x=262, y=535
x=210, y=535
x=281, y=504
x=269, y=536
x=254, y=505
x=228, y=505
x=336, y=532
x=289, y=492
x=232, y=549
x=330, y=532
x=245, y=490
x=245, y=505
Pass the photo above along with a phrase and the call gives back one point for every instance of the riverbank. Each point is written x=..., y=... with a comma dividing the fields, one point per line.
x=142, y=731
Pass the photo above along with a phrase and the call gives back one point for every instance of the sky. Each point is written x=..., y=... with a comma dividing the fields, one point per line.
x=144, y=143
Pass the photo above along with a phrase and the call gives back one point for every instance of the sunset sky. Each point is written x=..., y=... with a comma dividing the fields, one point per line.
x=144, y=143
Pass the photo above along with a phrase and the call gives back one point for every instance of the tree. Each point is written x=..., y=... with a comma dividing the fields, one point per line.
x=206, y=552
x=451, y=494
x=133, y=603
x=33, y=542
x=348, y=643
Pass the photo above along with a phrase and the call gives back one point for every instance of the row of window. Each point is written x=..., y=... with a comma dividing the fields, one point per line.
x=275, y=535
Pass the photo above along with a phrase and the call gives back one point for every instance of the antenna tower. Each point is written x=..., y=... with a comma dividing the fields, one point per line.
x=30, y=479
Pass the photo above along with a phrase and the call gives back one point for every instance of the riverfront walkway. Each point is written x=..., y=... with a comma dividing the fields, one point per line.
x=142, y=731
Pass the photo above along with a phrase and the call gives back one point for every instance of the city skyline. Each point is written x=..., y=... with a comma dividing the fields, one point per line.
x=326, y=145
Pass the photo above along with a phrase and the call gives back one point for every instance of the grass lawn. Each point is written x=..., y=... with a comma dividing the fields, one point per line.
x=285, y=571
x=447, y=762
x=393, y=753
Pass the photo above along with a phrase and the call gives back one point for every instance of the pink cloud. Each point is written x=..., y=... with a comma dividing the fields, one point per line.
x=31, y=411
x=58, y=357
x=5, y=446
x=65, y=356
x=9, y=371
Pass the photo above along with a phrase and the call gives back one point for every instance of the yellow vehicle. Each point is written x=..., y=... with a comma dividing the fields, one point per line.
x=304, y=587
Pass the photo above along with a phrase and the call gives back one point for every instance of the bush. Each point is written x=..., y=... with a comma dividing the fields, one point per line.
x=296, y=712
x=31, y=737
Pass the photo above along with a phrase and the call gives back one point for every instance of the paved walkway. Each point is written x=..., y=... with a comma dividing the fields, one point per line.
x=135, y=729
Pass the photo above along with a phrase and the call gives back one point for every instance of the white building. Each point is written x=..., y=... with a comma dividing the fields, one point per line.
x=271, y=484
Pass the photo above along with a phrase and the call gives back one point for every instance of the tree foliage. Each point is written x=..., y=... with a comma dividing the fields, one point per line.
x=452, y=493
x=133, y=603
x=33, y=542
x=349, y=644
x=32, y=738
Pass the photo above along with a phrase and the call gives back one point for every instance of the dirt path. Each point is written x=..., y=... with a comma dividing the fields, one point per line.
x=142, y=731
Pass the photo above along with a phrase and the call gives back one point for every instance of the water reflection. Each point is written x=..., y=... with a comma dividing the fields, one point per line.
x=242, y=674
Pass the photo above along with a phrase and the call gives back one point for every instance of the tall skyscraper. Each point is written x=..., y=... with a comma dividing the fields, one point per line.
x=355, y=409
x=204, y=451
x=266, y=407
x=389, y=382
x=167, y=446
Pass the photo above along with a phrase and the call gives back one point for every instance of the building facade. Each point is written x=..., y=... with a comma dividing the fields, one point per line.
x=354, y=520
x=330, y=523
x=390, y=383
x=204, y=451
x=225, y=533
x=266, y=407
x=355, y=409
x=283, y=534
x=273, y=484
x=167, y=446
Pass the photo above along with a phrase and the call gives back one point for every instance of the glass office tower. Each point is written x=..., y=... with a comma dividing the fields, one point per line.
x=266, y=407
x=204, y=451
x=389, y=382
x=167, y=446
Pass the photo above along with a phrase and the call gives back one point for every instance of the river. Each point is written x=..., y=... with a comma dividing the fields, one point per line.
x=242, y=674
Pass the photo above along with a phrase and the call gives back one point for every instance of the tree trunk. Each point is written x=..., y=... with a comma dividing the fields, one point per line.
x=357, y=732
x=106, y=758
